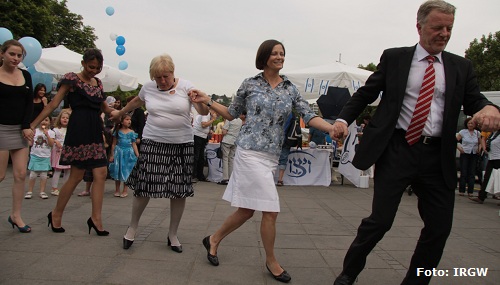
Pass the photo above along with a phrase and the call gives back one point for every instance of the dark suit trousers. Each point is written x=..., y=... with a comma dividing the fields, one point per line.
x=199, y=157
x=399, y=166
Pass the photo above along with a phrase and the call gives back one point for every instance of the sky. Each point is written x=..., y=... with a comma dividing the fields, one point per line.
x=214, y=43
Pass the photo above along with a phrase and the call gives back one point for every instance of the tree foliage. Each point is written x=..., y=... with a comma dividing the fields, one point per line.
x=485, y=57
x=48, y=21
x=370, y=67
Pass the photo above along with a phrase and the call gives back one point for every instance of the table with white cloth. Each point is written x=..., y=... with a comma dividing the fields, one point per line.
x=308, y=166
x=214, y=163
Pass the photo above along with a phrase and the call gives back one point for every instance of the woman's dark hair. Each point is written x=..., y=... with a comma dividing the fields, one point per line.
x=38, y=87
x=466, y=122
x=91, y=54
x=264, y=51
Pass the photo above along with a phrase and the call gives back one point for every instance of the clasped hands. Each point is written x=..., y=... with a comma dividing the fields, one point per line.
x=487, y=119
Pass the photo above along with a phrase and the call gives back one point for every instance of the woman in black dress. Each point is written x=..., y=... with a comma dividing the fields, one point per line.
x=84, y=145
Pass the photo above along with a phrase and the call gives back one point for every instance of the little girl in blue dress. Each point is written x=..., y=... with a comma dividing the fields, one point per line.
x=123, y=155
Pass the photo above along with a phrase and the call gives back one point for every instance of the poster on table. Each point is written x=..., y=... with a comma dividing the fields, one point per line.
x=348, y=151
x=308, y=167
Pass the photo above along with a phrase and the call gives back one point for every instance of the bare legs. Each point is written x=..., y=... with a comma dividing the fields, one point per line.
x=19, y=166
x=117, y=189
x=267, y=232
x=69, y=186
x=176, y=210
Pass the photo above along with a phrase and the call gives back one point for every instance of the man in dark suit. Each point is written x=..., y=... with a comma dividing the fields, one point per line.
x=428, y=161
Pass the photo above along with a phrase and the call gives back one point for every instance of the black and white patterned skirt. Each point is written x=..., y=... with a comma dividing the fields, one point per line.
x=163, y=170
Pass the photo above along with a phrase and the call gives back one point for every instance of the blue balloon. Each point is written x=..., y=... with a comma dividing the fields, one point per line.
x=33, y=50
x=40, y=77
x=5, y=35
x=110, y=11
x=122, y=65
x=120, y=40
x=120, y=50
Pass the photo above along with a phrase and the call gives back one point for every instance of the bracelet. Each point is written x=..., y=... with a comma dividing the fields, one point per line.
x=210, y=102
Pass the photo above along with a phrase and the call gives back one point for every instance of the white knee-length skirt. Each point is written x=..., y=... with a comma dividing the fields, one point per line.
x=251, y=185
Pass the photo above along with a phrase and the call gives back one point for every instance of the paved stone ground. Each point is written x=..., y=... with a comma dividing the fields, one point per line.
x=314, y=230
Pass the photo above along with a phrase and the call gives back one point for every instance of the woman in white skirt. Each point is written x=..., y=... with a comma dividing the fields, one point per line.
x=268, y=98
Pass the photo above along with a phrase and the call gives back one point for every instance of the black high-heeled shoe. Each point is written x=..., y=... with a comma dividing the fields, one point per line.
x=127, y=243
x=56, y=230
x=91, y=225
x=283, y=277
x=213, y=259
x=176, y=248
x=25, y=229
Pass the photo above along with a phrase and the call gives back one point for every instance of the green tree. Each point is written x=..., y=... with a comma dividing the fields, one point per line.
x=485, y=57
x=370, y=67
x=48, y=21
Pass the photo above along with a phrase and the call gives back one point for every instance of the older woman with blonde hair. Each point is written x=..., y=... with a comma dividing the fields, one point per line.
x=164, y=166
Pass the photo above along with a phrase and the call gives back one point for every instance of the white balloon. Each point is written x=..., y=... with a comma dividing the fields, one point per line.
x=113, y=36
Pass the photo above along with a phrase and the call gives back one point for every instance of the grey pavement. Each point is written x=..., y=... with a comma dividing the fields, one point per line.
x=314, y=229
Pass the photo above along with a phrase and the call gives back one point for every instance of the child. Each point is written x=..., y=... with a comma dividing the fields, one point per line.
x=40, y=157
x=60, y=126
x=123, y=155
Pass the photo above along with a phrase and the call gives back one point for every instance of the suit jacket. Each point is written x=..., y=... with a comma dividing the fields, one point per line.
x=391, y=79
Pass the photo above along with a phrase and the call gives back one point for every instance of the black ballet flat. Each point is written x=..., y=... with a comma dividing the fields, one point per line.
x=176, y=248
x=127, y=243
x=56, y=230
x=283, y=277
x=213, y=259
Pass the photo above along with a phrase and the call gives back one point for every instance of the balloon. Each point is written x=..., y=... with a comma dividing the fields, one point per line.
x=122, y=65
x=40, y=77
x=33, y=50
x=110, y=11
x=120, y=40
x=5, y=35
x=44, y=78
x=120, y=50
x=113, y=36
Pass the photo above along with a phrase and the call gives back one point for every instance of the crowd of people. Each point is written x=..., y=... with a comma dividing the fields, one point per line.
x=163, y=156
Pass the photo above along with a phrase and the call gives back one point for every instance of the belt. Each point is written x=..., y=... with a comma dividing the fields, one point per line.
x=430, y=140
x=427, y=140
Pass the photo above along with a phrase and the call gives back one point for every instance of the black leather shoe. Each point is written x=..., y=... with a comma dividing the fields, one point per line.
x=283, y=277
x=176, y=248
x=343, y=279
x=476, y=199
x=213, y=259
x=127, y=243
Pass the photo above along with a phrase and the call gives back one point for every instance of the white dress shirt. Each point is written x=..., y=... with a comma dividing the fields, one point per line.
x=434, y=121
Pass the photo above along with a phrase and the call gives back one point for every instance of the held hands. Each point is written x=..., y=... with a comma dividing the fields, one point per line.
x=338, y=131
x=487, y=119
x=198, y=96
x=115, y=116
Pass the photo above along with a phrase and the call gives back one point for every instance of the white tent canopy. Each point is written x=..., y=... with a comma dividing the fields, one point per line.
x=314, y=81
x=60, y=60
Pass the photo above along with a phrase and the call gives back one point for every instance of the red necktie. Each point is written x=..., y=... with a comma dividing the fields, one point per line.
x=423, y=106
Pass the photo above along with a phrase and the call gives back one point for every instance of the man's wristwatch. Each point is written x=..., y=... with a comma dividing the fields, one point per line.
x=209, y=103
